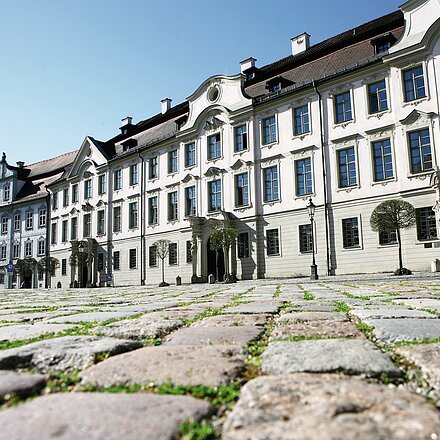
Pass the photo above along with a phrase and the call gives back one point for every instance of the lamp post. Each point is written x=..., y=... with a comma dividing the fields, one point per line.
x=80, y=262
x=313, y=268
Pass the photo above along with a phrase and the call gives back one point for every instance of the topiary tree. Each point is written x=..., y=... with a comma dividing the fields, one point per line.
x=162, y=251
x=224, y=238
x=394, y=215
x=48, y=264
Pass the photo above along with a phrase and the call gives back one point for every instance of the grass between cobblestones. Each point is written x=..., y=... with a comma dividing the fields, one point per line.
x=198, y=431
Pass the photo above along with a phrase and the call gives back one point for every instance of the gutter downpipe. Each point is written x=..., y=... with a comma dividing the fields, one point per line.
x=324, y=181
x=142, y=218
x=48, y=219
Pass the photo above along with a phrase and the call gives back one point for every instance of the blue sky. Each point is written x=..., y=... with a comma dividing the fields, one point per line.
x=72, y=68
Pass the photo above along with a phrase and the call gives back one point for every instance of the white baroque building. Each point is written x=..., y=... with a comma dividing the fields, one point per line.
x=348, y=122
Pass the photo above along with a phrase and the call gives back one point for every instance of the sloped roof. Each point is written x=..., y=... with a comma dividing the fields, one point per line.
x=50, y=166
x=35, y=189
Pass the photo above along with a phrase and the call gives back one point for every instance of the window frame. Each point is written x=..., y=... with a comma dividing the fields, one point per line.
x=345, y=111
x=404, y=83
x=100, y=222
x=433, y=221
x=296, y=132
x=88, y=189
x=373, y=143
x=173, y=161
x=304, y=174
x=102, y=184
x=117, y=219
x=423, y=169
x=278, y=238
x=152, y=209
x=264, y=181
x=153, y=167
x=134, y=175
x=87, y=225
x=117, y=179
x=133, y=215
x=338, y=164
x=217, y=195
x=348, y=246
x=173, y=254
x=376, y=94
x=243, y=136
x=190, y=202
x=132, y=258
x=217, y=152
x=243, y=246
x=272, y=133
x=244, y=190
x=190, y=154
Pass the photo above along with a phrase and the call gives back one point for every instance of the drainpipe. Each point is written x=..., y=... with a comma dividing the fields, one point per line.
x=141, y=209
x=324, y=181
x=47, y=253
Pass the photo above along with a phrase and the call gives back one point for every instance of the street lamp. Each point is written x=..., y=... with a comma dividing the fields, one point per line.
x=80, y=262
x=313, y=268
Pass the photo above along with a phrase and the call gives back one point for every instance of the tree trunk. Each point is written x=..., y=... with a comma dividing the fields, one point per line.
x=226, y=259
x=163, y=270
x=399, y=242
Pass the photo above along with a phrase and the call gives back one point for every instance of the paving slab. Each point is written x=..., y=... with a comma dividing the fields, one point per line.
x=390, y=312
x=90, y=317
x=27, y=331
x=232, y=320
x=316, y=329
x=398, y=330
x=68, y=352
x=94, y=416
x=422, y=303
x=20, y=384
x=310, y=308
x=210, y=366
x=309, y=407
x=311, y=316
x=327, y=355
x=253, y=308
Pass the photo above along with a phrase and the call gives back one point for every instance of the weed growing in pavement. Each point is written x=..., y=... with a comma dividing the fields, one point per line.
x=366, y=329
x=350, y=295
x=341, y=306
x=151, y=341
x=198, y=431
x=255, y=349
x=417, y=342
x=308, y=296
x=62, y=381
x=277, y=291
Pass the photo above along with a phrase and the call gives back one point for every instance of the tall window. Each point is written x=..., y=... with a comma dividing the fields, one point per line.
x=7, y=192
x=64, y=227
x=243, y=245
x=116, y=260
x=301, y=120
x=190, y=154
x=29, y=220
x=88, y=188
x=414, y=83
x=172, y=254
x=134, y=176
x=273, y=242
x=117, y=180
x=189, y=249
x=190, y=201
x=3, y=251
x=17, y=222
x=5, y=221
x=64, y=266
x=132, y=254
x=133, y=215
x=377, y=97
x=41, y=218
x=100, y=222
x=152, y=210
x=350, y=232
x=53, y=233
x=152, y=256
x=305, y=238
x=173, y=161
x=269, y=134
x=343, y=111
x=65, y=197
x=16, y=250
x=242, y=189
x=347, y=167
x=420, y=151
x=383, y=160
x=215, y=195
x=303, y=174
x=74, y=228
x=173, y=211
x=75, y=197
x=214, y=146
x=55, y=200
x=87, y=225
x=28, y=249
x=117, y=219
x=241, y=139
x=271, y=187
x=101, y=184
x=153, y=168
x=41, y=247
x=426, y=224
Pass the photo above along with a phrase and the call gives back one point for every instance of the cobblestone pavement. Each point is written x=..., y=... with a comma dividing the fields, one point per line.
x=341, y=358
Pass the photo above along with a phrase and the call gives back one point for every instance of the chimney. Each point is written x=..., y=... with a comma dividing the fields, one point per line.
x=247, y=64
x=300, y=43
x=20, y=164
x=166, y=105
x=126, y=121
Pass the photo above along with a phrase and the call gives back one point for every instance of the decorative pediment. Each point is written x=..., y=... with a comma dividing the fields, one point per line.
x=87, y=207
x=214, y=171
x=417, y=116
x=272, y=159
x=303, y=150
x=153, y=191
x=189, y=177
x=346, y=140
x=101, y=203
x=89, y=154
x=87, y=174
x=172, y=185
x=239, y=164
x=213, y=123
x=73, y=211
x=133, y=196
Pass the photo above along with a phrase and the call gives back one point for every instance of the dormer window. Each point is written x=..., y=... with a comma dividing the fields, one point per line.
x=7, y=192
x=382, y=44
x=275, y=85
x=250, y=75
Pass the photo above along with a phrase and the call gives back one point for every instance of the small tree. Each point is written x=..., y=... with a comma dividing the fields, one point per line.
x=224, y=238
x=48, y=264
x=394, y=215
x=162, y=250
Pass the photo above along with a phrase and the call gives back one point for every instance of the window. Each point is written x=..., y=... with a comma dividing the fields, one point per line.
x=152, y=256
x=53, y=234
x=75, y=197
x=383, y=160
x=117, y=180
x=41, y=247
x=16, y=250
x=189, y=249
x=29, y=220
x=420, y=151
x=116, y=260
x=152, y=211
x=276, y=87
x=301, y=120
x=382, y=46
x=101, y=184
x=3, y=249
x=241, y=139
x=215, y=195
x=7, y=192
x=304, y=179
x=133, y=215
x=41, y=218
x=153, y=168
x=377, y=97
x=173, y=164
x=117, y=219
x=271, y=187
x=87, y=225
x=65, y=197
x=172, y=254
x=73, y=228
x=28, y=249
x=100, y=225
x=350, y=232
x=190, y=154
x=172, y=206
x=88, y=189
x=305, y=238
x=343, y=111
x=273, y=242
x=17, y=222
x=414, y=83
x=64, y=266
x=387, y=237
x=347, y=167
x=214, y=146
x=269, y=130
x=242, y=189
x=134, y=175
x=5, y=222
x=243, y=245
x=100, y=262
x=64, y=227
x=132, y=259
x=426, y=224
x=55, y=200
x=190, y=201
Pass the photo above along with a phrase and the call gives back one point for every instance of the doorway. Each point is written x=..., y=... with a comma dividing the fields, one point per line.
x=216, y=263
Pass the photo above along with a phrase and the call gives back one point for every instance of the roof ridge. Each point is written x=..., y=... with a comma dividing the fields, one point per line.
x=51, y=158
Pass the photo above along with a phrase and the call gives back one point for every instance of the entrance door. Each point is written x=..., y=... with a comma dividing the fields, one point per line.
x=84, y=275
x=216, y=263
